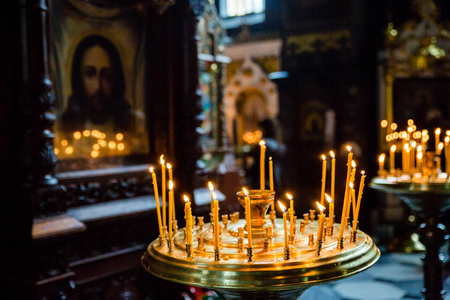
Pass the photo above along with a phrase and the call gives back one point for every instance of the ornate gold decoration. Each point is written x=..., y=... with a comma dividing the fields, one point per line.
x=318, y=42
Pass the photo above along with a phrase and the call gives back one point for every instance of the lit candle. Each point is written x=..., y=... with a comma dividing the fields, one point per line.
x=283, y=209
x=216, y=224
x=330, y=209
x=170, y=208
x=437, y=133
x=381, y=159
x=447, y=154
x=392, y=157
x=163, y=190
x=262, y=177
x=291, y=203
x=169, y=169
x=351, y=192
x=248, y=217
x=358, y=204
x=188, y=217
x=419, y=160
x=438, y=152
x=406, y=157
x=324, y=176
x=333, y=174
x=412, y=155
x=271, y=173
x=272, y=205
x=321, y=221
x=346, y=195
x=158, y=209
x=211, y=190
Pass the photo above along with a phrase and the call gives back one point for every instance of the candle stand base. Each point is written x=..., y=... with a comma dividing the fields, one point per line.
x=353, y=236
x=340, y=243
x=319, y=247
x=250, y=253
x=429, y=200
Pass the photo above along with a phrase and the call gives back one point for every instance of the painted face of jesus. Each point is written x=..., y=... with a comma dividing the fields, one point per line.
x=98, y=77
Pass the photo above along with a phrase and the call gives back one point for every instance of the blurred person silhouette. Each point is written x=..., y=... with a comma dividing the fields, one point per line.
x=274, y=149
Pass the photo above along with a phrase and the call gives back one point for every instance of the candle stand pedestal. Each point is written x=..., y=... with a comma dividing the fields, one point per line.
x=429, y=200
x=270, y=274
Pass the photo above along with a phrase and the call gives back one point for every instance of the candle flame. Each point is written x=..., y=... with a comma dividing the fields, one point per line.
x=424, y=132
x=214, y=195
x=161, y=159
x=406, y=147
x=353, y=164
x=438, y=131
x=211, y=186
x=393, y=148
x=384, y=123
x=441, y=146
x=419, y=148
x=410, y=122
x=410, y=129
x=329, y=199
x=393, y=126
x=186, y=199
x=419, y=155
x=382, y=158
x=414, y=144
x=262, y=143
x=351, y=185
x=363, y=172
x=170, y=185
x=332, y=154
x=447, y=139
x=320, y=206
x=324, y=157
x=447, y=132
x=270, y=158
x=245, y=191
x=282, y=207
x=151, y=169
x=169, y=166
x=289, y=196
x=349, y=148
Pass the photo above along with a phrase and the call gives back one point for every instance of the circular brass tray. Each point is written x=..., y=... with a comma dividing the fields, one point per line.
x=269, y=273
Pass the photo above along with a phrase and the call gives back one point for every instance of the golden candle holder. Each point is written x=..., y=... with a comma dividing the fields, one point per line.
x=269, y=269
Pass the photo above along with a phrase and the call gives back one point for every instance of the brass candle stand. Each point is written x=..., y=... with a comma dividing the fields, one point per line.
x=267, y=270
x=430, y=200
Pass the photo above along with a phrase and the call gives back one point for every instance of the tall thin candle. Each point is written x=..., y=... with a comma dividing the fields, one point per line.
x=291, y=203
x=283, y=209
x=248, y=217
x=344, y=205
x=324, y=177
x=216, y=224
x=358, y=205
x=272, y=205
x=447, y=154
x=262, y=177
x=333, y=174
x=321, y=221
x=392, y=158
x=169, y=169
x=381, y=159
x=170, y=209
x=163, y=188
x=330, y=209
x=211, y=190
x=188, y=217
x=158, y=209
x=437, y=133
